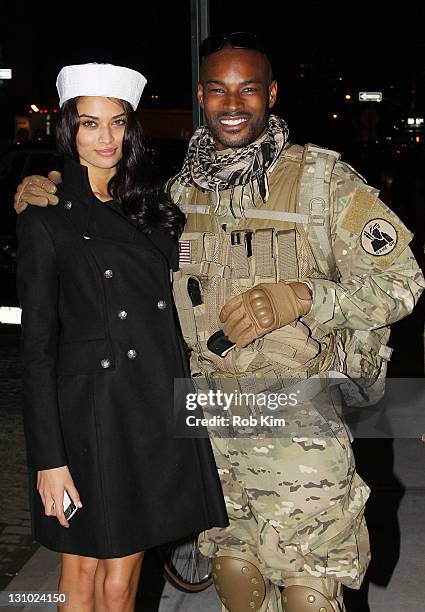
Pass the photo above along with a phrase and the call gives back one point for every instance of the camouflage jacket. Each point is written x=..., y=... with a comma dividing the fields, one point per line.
x=377, y=280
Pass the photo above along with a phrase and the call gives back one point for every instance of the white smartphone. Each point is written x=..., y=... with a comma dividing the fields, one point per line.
x=69, y=508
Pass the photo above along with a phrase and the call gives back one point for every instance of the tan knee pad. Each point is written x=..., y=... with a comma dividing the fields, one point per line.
x=310, y=595
x=239, y=583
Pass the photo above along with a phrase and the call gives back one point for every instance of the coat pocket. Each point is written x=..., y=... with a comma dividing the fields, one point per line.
x=85, y=357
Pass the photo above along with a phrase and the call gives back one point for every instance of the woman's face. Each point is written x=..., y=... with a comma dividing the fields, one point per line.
x=101, y=132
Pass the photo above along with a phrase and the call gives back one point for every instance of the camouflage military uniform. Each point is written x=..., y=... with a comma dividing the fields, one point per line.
x=295, y=502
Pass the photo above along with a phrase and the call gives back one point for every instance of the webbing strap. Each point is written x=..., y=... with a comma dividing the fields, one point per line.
x=178, y=193
x=275, y=215
x=200, y=209
x=314, y=201
x=263, y=252
x=250, y=213
x=239, y=266
x=210, y=242
x=287, y=255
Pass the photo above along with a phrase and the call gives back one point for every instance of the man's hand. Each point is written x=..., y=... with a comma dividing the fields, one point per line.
x=262, y=309
x=37, y=190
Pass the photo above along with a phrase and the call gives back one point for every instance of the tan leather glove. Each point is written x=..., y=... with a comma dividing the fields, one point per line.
x=37, y=190
x=262, y=309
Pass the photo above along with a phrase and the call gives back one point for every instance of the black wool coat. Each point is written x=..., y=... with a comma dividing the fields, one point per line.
x=100, y=351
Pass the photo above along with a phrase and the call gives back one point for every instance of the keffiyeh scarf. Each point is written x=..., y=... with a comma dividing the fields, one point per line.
x=207, y=170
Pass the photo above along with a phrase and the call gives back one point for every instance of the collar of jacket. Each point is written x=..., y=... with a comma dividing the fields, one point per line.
x=90, y=216
x=93, y=219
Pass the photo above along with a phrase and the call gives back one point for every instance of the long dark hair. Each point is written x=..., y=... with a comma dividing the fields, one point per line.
x=136, y=185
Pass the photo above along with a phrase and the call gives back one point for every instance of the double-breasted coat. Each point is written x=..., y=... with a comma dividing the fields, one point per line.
x=100, y=352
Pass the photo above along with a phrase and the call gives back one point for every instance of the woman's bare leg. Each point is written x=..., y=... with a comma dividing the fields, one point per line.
x=77, y=581
x=116, y=582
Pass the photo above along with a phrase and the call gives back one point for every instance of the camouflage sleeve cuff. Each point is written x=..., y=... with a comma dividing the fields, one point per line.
x=324, y=296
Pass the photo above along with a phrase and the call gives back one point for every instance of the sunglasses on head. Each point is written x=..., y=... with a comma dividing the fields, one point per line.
x=237, y=40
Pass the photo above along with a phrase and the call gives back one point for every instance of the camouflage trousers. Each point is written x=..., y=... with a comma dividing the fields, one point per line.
x=294, y=500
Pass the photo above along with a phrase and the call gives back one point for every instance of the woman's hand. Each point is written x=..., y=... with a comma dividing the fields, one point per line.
x=51, y=485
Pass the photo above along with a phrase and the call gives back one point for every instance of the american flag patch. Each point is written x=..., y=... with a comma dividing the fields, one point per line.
x=185, y=252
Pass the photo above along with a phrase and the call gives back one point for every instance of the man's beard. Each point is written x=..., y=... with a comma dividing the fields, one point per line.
x=255, y=130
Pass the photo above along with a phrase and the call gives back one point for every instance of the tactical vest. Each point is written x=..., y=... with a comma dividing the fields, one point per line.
x=269, y=243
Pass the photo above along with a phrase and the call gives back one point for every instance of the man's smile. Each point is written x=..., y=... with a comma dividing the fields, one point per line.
x=233, y=122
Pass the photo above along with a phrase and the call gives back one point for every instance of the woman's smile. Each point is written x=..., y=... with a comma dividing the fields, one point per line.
x=106, y=152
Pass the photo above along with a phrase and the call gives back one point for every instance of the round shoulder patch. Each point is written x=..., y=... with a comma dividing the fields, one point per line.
x=379, y=237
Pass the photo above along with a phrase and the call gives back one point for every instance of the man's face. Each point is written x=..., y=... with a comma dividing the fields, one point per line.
x=236, y=93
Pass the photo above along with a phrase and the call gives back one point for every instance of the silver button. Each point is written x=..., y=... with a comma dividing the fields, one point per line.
x=68, y=205
x=105, y=363
x=122, y=315
x=108, y=274
x=131, y=354
x=162, y=304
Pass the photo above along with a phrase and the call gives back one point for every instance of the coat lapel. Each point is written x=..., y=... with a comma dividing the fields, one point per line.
x=90, y=217
x=93, y=219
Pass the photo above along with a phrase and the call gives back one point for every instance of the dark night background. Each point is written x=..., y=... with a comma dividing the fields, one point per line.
x=321, y=51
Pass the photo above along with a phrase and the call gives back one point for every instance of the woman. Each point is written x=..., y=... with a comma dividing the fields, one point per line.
x=101, y=351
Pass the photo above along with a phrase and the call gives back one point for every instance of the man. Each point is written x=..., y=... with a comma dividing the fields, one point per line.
x=251, y=267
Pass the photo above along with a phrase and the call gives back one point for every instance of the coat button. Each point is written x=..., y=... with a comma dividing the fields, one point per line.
x=105, y=363
x=131, y=354
x=68, y=205
x=122, y=315
x=162, y=305
x=108, y=274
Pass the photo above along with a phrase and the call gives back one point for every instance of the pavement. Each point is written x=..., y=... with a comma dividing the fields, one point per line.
x=16, y=544
x=395, y=514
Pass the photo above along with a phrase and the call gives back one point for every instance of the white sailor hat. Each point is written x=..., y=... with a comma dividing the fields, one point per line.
x=100, y=80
